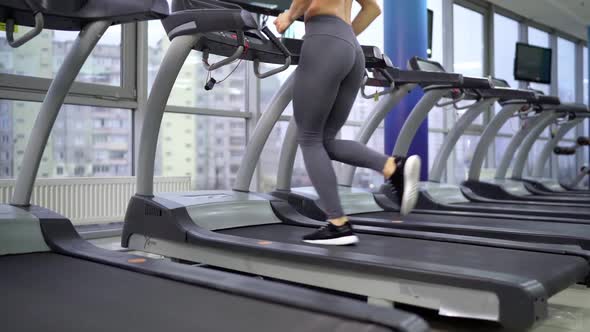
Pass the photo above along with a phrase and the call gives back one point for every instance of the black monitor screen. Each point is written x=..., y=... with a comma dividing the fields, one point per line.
x=532, y=64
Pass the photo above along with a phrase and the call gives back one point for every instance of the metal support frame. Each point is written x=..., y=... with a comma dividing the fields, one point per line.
x=169, y=70
x=550, y=145
x=80, y=51
x=260, y=135
x=440, y=162
x=415, y=119
x=510, y=152
x=488, y=137
x=287, y=158
x=520, y=162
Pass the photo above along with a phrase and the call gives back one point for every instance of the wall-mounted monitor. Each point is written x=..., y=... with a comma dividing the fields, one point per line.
x=532, y=64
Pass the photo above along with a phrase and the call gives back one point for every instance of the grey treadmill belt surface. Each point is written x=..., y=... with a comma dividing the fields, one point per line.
x=452, y=254
x=52, y=292
x=576, y=233
x=533, y=209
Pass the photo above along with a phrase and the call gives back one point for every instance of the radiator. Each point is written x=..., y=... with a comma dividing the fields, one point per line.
x=91, y=200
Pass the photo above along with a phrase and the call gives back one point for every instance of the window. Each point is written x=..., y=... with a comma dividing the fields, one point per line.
x=365, y=178
x=505, y=39
x=42, y=56
x=436, y=116
x=79, y=171
x=212, y=168
x=463, y=156
x=189, y=89
x=469, y=46
x=435, y=141
x=269, y=161
x=70, y=148
x=566, y=71
x=59, y=170
x=533, y=156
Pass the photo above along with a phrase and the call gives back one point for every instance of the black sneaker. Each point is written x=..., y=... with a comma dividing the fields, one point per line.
x=404, y=183
x=332, y=235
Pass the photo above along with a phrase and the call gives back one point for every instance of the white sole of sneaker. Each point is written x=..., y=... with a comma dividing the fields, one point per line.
x=411, y=180
x=341, y=241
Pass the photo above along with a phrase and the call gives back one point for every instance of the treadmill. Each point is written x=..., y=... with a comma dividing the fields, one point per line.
x=541, y=186
x=53, y=280
x=239, y=230
x=515, y=190
x=366, y=208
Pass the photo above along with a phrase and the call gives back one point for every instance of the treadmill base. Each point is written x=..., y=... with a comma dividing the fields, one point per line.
x=448, y=301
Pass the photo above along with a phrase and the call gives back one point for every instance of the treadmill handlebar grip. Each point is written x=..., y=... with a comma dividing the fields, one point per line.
x=564, y=151
x=276, y=41
x=39, y=25
x=427, y=78
x=583, y=141
x=278, y=44
x=548, y=100
x=477, y=83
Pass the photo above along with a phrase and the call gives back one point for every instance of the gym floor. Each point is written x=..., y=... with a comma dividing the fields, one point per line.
x=569, y=311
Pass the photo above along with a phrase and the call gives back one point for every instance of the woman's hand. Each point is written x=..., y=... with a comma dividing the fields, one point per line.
x=283, y=22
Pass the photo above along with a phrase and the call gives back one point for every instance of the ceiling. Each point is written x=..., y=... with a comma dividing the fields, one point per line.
x=571, y=16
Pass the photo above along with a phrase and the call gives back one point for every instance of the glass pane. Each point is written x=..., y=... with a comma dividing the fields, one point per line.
x=207, y=149
x=437, y=30
x=42, y=56
x=567, y=169
x=269, y=161
x=505, y=38
x=364, y=178
x=86, y=141
x=463, y=156
x=435, y=141
x=533, y=156
x=566, y=70
x=188, y=91
x=436, y=116
x=501, y=145
x=468, y=30
x=469, y=45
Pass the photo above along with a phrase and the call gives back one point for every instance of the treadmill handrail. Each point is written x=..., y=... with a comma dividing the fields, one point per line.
x=278, y=44
x=10, y=24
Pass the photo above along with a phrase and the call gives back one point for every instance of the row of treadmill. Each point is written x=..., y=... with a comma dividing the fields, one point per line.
x=491, y=250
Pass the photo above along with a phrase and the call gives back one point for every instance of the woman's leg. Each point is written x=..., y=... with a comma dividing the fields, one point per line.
x=325, y=63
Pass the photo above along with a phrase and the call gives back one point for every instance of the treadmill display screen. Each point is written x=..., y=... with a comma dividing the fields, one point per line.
x=532, y=64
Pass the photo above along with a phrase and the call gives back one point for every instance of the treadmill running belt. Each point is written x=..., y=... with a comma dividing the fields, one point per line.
x=532, y=208
x=452, y=254
x=51, y=292
x=515, y=224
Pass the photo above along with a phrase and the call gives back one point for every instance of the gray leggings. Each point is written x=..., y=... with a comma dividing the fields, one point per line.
x=327, y=82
